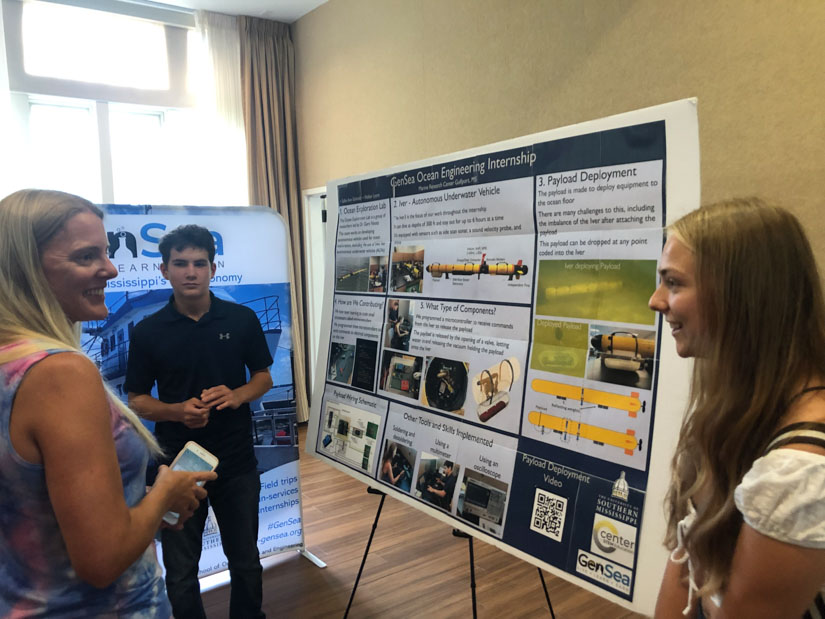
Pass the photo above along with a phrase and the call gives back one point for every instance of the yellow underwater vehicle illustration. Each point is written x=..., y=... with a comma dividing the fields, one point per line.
x=483, y=268
x=603, y=399
x=603, y=436
x=351, y=274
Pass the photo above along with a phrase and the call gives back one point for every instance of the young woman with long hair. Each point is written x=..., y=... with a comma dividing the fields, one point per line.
x=741, y=292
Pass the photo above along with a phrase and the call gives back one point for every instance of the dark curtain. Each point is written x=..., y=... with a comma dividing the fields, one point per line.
x=268, y=85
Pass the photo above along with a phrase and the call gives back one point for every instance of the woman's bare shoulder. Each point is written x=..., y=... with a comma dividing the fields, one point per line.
x=62, y=369
x=61, y=380
x=50, y=396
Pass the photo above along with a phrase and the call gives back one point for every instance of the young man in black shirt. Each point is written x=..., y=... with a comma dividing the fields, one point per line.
x=197, y=349
x=443, y=496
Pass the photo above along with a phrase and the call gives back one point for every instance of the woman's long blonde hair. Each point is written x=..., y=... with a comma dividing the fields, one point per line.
x=761, y=304
x=29, y=310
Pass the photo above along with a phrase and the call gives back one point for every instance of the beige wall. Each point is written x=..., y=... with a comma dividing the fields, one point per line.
x=385, y=82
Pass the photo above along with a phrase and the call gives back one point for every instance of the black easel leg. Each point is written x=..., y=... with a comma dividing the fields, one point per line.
x=367, y=549
x=458, y=533
x=546, y=594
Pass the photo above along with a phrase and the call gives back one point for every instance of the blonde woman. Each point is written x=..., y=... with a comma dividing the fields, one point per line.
x=77, y=522
x=741, y=293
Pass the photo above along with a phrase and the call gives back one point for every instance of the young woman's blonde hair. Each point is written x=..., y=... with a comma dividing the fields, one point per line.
x=761, y=306
x=29, y=310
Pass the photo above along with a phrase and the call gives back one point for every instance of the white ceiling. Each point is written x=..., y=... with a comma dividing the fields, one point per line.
x=286, y=11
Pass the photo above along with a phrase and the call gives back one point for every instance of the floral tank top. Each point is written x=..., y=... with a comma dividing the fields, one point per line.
x=36, y=575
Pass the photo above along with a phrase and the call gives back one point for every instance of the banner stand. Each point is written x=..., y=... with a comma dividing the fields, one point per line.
x=250, y=260
x=308, y=555
x=302, y=548
x=219, y=579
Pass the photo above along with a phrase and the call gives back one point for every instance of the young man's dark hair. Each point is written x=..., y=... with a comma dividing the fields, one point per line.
x=187, y=236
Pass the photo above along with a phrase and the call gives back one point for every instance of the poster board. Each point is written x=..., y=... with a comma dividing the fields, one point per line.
x=490, y=356
x=251, y=259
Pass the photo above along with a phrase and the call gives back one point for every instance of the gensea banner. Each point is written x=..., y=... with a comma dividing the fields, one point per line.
x=251, y=270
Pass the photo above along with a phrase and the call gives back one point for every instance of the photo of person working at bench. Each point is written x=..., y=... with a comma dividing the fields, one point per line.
x=439, y=489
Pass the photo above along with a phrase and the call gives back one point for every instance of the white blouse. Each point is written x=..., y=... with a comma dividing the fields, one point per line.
x=782, y=496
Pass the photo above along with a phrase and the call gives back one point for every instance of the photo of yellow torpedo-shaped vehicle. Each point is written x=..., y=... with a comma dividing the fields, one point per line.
x=483, y=268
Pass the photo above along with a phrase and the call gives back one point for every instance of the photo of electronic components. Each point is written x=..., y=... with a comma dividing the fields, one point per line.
x=445, y=385
x=401, y=374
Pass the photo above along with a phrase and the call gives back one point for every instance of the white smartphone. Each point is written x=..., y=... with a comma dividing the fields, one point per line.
x=193, y=458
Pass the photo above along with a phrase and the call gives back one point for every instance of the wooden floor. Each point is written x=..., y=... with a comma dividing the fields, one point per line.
x=416, y=568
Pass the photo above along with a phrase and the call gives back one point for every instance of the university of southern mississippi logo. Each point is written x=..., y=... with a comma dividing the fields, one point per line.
x=620, y=488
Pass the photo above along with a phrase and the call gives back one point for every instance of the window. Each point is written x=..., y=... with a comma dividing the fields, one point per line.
x=63, y=148
x=136, y=139
x=101, y=107
x=93, y=46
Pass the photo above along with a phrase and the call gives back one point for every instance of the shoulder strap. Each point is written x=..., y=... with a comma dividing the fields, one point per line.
x=805, y=432
x=816, y=609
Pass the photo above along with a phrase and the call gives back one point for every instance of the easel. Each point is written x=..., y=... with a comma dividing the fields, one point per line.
x=456, y=533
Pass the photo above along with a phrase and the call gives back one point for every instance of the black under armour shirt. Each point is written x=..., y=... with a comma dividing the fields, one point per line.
x=184, y=357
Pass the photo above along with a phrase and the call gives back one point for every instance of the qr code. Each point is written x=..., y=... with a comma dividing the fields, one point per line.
x=548, y=514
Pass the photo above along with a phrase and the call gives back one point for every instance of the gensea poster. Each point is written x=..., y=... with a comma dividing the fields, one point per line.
x=489, y=354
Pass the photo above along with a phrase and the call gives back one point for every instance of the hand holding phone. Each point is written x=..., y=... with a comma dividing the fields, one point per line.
x=192, y=458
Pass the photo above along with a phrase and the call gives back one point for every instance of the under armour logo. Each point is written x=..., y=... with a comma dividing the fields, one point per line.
x=223, y=336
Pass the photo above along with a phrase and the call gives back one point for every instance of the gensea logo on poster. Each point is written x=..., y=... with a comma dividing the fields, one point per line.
x=604, y=571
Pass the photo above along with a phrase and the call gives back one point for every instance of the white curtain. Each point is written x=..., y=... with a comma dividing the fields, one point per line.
x=220, y=33
x=218, y=90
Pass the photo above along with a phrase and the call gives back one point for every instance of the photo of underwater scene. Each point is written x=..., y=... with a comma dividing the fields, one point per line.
x=560, y=347
x=353, y=274
x=607, y=290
